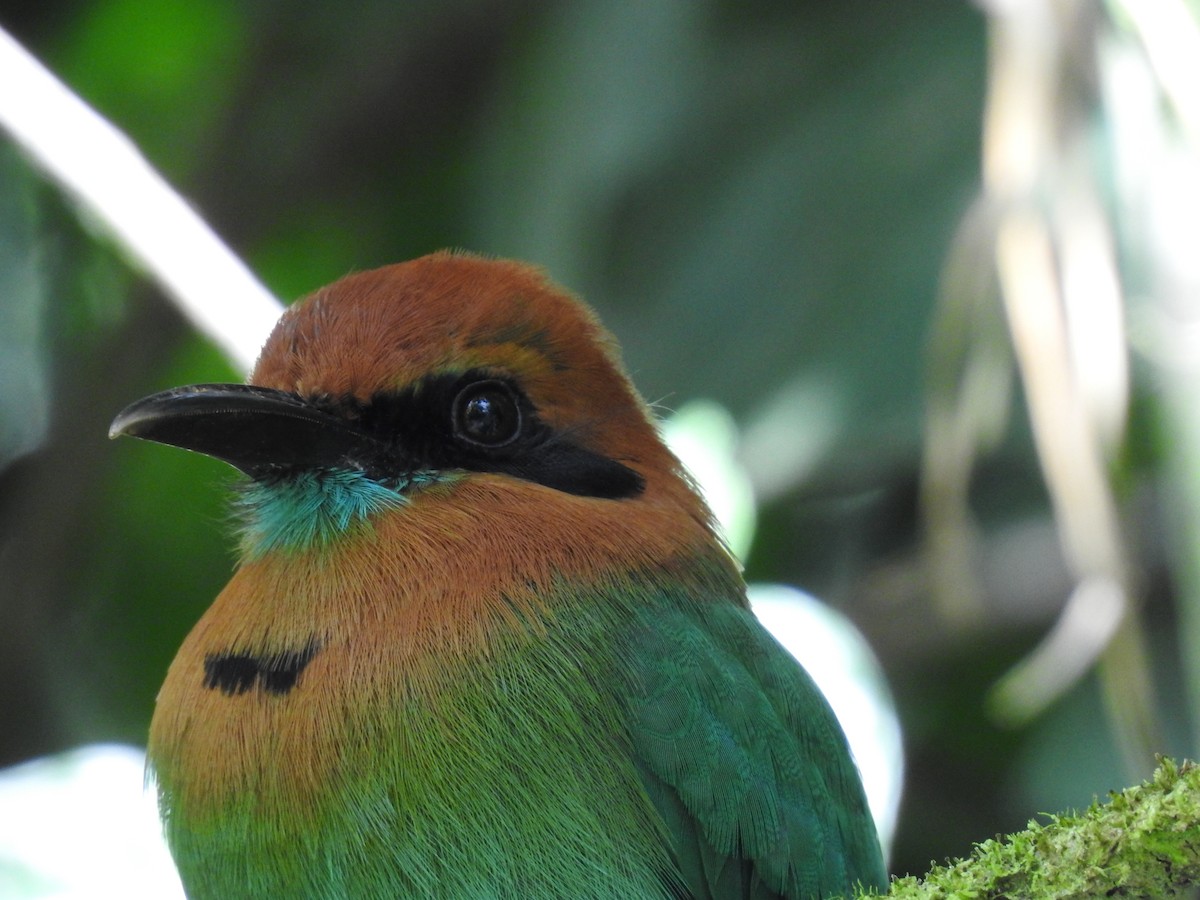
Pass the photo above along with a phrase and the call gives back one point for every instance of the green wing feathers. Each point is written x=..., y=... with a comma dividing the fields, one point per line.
x=744, y=760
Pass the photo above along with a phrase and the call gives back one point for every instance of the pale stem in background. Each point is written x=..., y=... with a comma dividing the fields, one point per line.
x=109, y=177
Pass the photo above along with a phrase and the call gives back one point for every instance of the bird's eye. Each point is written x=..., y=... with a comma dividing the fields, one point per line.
x=486, y=413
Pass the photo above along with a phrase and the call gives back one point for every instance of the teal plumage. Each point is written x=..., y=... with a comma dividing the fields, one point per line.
x=314, y=509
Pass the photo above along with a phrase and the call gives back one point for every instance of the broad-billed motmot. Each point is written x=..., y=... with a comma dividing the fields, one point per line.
x=483, y=640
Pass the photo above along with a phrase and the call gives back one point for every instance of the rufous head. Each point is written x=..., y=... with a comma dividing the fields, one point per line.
x=450, y=365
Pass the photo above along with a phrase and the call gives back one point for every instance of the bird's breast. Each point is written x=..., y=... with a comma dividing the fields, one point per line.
x=403, y=696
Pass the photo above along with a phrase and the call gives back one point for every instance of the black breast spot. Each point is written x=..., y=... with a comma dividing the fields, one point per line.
x=276, y=673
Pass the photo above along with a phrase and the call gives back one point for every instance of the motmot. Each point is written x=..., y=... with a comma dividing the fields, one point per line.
x=483, y=639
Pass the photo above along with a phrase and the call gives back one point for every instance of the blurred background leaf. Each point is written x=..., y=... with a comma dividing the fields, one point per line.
x=772, y=204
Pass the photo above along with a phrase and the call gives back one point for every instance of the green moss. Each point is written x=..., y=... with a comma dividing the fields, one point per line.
x=1144, y=842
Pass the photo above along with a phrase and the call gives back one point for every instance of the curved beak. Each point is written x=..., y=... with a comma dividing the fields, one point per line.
x=255, y=429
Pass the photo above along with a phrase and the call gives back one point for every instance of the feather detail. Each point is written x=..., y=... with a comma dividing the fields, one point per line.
x=509, y=776
x=743, y=756
x=312, y=509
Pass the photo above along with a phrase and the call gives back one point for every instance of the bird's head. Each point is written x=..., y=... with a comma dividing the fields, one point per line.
x=413, y=380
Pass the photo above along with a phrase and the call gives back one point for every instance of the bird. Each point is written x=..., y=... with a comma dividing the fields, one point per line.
x=483, y=638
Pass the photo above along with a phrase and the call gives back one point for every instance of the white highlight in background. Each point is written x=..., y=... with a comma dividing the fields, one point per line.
x=82, y=826
x=842, y=664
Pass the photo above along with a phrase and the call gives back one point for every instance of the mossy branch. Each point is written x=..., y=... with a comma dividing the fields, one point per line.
x=1144, y=842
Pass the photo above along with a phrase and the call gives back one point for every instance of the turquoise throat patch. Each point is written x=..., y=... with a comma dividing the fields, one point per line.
x=311, y=509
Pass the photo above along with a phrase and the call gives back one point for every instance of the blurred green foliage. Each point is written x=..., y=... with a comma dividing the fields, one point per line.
x=758, y=198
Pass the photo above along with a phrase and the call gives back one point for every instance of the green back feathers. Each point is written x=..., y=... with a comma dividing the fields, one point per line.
x=745, y=761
